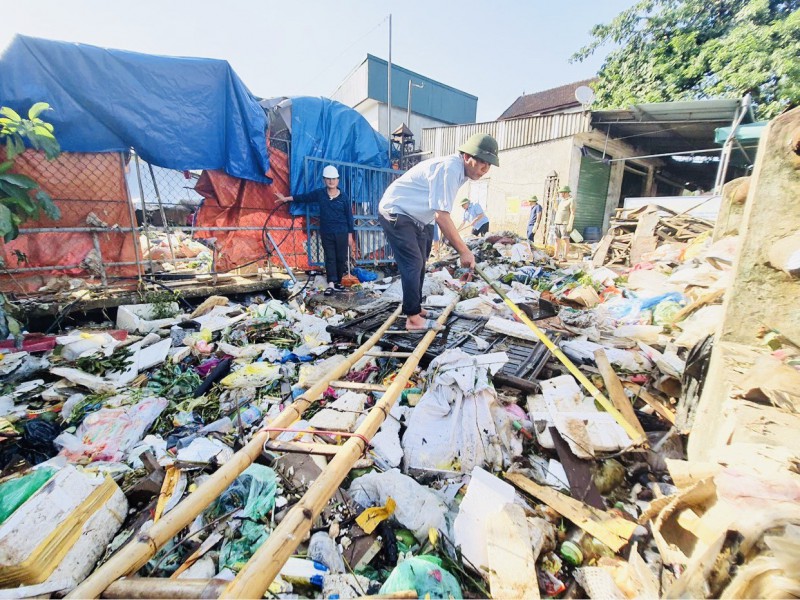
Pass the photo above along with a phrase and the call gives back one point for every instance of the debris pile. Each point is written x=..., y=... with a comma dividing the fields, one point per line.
x=634, y=233
x=449, y=477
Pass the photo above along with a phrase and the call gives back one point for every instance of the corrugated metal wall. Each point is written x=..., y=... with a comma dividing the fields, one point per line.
x=513, y=133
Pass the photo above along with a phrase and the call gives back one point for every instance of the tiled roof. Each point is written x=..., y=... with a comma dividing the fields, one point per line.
x=548, y=101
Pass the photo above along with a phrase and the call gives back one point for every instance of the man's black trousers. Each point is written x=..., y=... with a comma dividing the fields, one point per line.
x=411, y=243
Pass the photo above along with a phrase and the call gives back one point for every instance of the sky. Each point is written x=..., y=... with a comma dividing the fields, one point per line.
x=496, y=50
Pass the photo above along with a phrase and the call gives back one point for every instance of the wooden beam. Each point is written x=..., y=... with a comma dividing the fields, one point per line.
x=302, y=447
x=158, y=587
x=651, y=401
x=616, y=392
x=256, y=576
x=610, y=529
x=354, y=385
x=143, y=547
x=700, y=302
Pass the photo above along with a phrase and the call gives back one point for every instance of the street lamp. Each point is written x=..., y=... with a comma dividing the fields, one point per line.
x=408, y=112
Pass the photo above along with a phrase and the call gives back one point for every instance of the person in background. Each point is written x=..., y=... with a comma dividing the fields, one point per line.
x=335, y=225
x=474, y=217
x=565, y=218
x=534, y=218
x=414, y=201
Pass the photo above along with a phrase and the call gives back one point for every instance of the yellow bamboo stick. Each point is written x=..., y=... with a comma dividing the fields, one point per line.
x=593, y=391
x=259, y=572
x=137, y=552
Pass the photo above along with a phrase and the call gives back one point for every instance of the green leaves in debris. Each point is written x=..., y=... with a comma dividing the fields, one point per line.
x=21, y=197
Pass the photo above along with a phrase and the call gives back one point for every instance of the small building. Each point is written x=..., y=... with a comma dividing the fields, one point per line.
x=417, y=101
x=605, y=156
x=559, y=99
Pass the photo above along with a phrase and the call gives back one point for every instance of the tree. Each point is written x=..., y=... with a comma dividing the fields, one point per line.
x=21, y=197
x=693, y=49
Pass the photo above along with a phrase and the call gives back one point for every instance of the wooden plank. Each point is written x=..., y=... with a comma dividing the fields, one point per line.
x=701, y=301
x=512, y=567
x=579, y=473
x=615, y=391
x=302, y=447
x=354, y=385
x=599, y=257
x=610, y=529
x=651, y=401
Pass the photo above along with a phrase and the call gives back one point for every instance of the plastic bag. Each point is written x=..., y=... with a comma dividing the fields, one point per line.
x=110, y=432
x=364, y=275
x=453, y=427
x=425, y=575
x=15, y=492
x=665, y=312
x=235, y=553
x=254, y=490
x=418, y=508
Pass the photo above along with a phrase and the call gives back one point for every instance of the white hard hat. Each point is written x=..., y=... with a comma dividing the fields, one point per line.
x=330, y=172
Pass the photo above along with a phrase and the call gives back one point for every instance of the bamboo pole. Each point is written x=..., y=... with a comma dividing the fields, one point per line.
x=157, y=587
x=590, y=387
x=136, y=553
x=259, y=572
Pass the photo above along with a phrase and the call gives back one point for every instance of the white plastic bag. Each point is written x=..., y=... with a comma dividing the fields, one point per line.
x=453, y=427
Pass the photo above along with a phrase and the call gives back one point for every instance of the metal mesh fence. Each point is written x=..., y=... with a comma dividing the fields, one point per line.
x=365, y=187
x=93, y=240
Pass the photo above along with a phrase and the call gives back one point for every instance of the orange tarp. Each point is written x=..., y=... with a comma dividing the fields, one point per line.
x=79, y=183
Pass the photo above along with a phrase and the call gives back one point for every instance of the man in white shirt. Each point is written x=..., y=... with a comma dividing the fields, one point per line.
x=474, y=217
x=418, y=198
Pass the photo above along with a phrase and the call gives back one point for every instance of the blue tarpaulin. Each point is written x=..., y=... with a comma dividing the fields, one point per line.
x=178, y=113
x=327, y=129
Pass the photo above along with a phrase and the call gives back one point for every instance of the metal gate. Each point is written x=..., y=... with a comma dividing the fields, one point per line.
x=364, y=186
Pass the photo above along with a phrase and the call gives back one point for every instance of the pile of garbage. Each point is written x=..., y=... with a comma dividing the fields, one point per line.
x=469, y=489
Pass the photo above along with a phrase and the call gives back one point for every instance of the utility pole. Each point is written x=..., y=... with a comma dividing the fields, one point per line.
x=408, y=109
x=389, y=94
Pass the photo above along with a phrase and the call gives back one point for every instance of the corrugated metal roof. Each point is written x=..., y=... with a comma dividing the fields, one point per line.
x=512, y=133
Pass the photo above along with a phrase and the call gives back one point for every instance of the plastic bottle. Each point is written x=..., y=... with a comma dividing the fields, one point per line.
x=250, y=415
x=322, y=549
x=581, y=548
x=302, y=571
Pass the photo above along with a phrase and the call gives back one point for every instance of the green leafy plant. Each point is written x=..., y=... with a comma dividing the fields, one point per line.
x=162, y=301
x=21, y=197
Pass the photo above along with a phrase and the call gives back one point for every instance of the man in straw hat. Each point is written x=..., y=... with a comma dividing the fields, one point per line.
x=534, y=218
x=565, y=218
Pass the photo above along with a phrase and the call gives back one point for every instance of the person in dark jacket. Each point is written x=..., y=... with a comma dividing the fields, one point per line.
x=335, y=225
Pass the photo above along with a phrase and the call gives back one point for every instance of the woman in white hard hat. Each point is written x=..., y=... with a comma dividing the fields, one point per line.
x=335, y=225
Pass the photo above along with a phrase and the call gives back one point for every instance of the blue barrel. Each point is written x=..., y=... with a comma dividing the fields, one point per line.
x=591, y=234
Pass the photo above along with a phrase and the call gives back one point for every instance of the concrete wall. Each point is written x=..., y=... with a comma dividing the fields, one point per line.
x=375, y=114
x=760, y=295
x=521, y=174
x=731, y=210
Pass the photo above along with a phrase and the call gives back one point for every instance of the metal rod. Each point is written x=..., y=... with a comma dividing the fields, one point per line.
x=137, y=229
x=262, y=568
x=664, y=154
x=160, y=208
x=136, y=553
x=144, y=215
x=280, y=256
x=137, y=251
x=389, y=93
